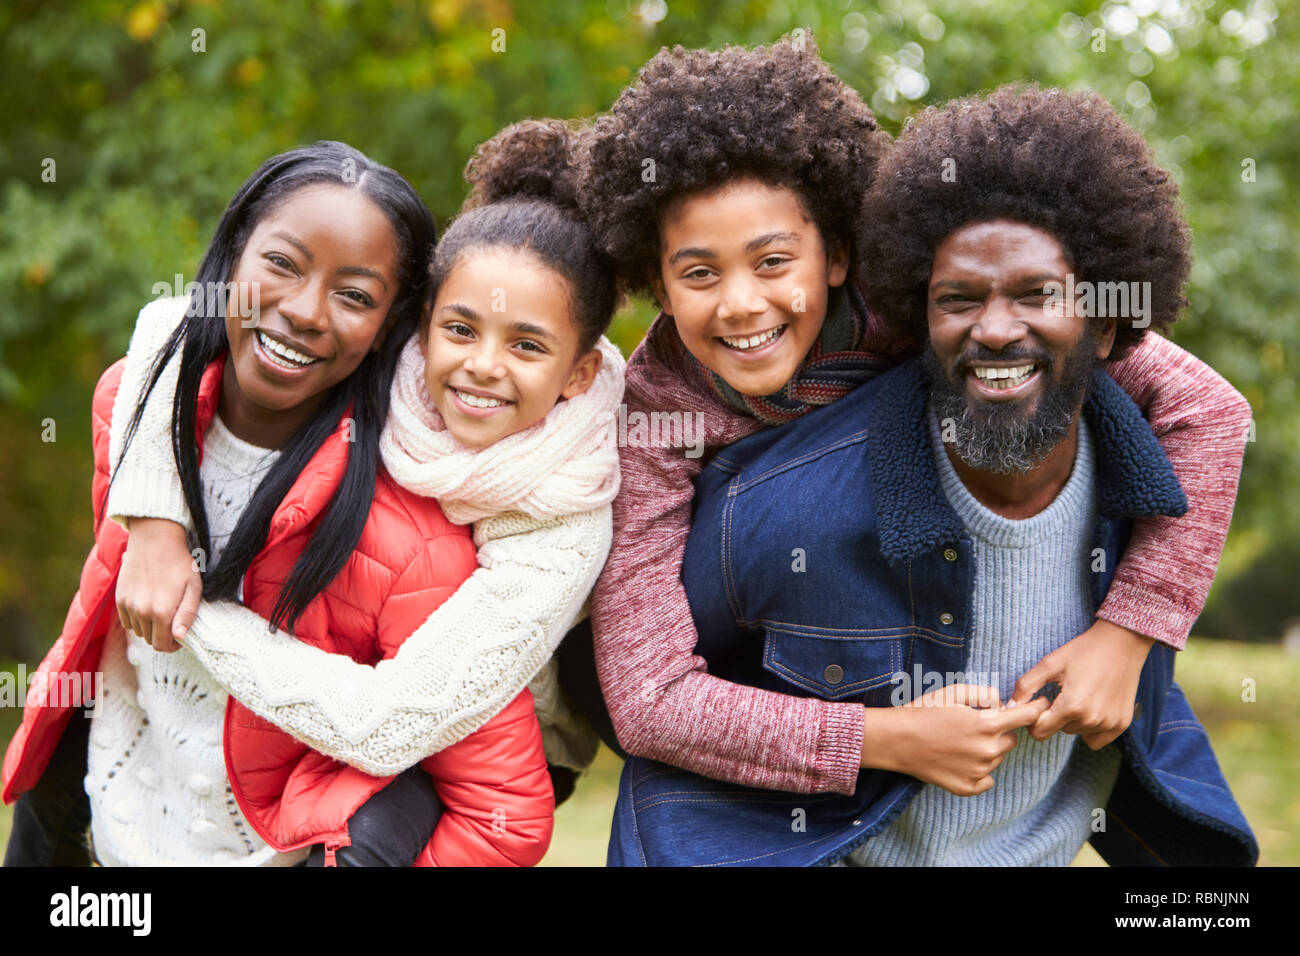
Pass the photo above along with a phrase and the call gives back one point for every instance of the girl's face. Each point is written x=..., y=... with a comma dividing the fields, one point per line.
x=501, y=347
x=745, y=274
x=325, y=264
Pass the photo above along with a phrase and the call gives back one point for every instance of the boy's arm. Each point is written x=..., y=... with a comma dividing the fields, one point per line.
x=1201, y=422
x=147, y=484
x=663, y=703
x=1163, y=578
x=462, y=665
x=496, y=791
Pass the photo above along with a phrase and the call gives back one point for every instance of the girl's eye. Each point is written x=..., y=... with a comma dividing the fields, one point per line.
x=528, y=345
x=698, y=273
x=459, y=328
x=771, y=262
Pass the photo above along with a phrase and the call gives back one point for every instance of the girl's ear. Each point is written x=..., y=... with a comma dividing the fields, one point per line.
x=837, y=265
x=583, y=374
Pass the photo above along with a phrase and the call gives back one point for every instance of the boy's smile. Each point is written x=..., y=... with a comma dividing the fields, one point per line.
x=745, y=274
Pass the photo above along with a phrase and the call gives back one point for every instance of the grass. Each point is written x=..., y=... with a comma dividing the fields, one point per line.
x=1244, y=694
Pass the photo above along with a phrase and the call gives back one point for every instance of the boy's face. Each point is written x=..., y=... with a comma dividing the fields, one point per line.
x=745, y=274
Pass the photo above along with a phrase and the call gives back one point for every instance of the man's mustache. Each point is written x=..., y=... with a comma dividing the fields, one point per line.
x=981, y=353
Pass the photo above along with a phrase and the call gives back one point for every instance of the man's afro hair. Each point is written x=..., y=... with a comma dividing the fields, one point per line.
x=1063, y=161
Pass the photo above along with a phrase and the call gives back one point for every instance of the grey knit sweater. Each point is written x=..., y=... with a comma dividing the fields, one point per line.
x=1031, y=596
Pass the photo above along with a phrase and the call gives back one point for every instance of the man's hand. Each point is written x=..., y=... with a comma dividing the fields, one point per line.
x=158, y=589
x=1098, y=674
x=953, y=737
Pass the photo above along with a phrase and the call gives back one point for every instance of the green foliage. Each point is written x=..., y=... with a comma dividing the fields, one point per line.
x=150, y=137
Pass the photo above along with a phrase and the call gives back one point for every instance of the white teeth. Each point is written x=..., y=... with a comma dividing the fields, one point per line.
x=1003, y=377
x=753, y=341
x=293, y=359
x=478, y=401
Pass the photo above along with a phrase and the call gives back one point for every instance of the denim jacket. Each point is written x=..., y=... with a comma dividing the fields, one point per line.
x=824, y=560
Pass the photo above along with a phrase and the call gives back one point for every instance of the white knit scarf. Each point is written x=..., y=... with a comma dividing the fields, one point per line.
x=565, y=464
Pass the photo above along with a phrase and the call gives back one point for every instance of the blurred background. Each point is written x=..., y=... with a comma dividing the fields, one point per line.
x=128, y=127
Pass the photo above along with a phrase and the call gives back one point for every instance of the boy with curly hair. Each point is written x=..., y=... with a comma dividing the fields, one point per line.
x=728, y=183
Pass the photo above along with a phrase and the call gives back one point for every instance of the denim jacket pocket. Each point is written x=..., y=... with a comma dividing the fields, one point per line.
x=838, y=664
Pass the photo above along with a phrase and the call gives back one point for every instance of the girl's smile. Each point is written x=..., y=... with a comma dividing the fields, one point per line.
x=745, y=275
x=501, y=347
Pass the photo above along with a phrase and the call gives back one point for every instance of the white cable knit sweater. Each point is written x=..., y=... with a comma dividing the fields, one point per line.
x=541, y=503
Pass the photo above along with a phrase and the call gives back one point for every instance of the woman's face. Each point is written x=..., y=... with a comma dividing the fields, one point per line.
x=745, y=274
x=325, y=264
x=501, y=347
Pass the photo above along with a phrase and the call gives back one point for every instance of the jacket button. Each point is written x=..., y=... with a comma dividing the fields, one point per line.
x=949, y=554
x=833, y=673
x=945, y=618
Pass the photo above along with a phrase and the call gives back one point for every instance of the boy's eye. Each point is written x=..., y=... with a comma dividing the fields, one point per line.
x=771, y=262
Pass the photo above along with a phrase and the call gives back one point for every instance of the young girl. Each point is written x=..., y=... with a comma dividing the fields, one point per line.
x=293, y=516
x=744, y=235
x=501, y=410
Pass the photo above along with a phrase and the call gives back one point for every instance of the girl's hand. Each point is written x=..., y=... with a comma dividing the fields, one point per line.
x=1098, y=674
x=953, y=737
x=158, y=589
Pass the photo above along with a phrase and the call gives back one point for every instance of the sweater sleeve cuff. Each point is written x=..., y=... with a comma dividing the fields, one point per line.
x=1147, y=612
x=146, y=493
x=839, y=757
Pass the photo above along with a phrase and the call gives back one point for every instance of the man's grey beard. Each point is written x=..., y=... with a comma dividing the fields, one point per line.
x=998, y=437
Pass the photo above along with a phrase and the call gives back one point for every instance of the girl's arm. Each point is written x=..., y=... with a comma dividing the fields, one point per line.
x=146, y=483
x=470, y=658
x=499, y=805
x=1201, y=421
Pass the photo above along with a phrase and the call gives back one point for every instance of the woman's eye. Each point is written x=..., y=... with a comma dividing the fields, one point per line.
x=359, y=297
x=280, y=261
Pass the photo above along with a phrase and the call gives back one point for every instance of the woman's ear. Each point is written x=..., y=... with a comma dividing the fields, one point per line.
x=583, y=374
x=837, y=265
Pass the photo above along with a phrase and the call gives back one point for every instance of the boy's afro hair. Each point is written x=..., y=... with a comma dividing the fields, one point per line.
x=777, y=113
x=1065, y=162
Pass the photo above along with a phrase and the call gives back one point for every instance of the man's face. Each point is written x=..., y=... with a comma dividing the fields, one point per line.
x=1010, y=370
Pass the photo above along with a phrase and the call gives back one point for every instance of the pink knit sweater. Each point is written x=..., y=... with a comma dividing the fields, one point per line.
x=665, y=705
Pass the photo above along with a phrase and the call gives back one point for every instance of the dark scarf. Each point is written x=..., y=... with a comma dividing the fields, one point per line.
x=852, y=349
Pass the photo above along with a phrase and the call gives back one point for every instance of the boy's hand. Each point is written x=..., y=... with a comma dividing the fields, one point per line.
x=953, y=737
x=1098, y=674
x=158, y=589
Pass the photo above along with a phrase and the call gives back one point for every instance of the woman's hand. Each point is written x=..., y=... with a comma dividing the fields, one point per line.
x=158, y=589
x=953, y=737
x=1098, y=674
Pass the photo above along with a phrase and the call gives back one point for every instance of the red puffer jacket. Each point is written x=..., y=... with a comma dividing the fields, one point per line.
x=494, y=784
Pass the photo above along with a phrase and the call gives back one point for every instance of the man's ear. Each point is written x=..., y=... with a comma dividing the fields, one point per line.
x=1106, y=340
x=583, y=374
x=661, y=294
x=837, y=265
